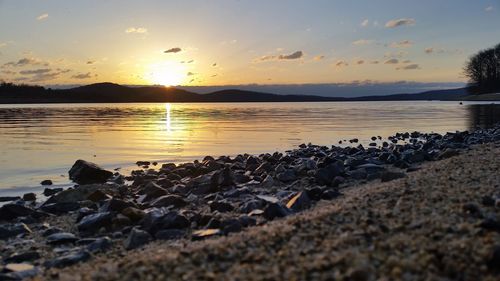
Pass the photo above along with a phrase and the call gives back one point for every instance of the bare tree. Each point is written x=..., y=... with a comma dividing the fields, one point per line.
x=483, y=71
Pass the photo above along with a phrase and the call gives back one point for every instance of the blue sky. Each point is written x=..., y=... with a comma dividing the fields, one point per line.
x=242, y=42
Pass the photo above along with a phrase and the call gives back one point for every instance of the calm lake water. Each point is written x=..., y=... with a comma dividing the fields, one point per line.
x=42, y=141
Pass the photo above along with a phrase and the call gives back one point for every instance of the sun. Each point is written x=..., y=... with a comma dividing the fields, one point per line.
x=166, y=73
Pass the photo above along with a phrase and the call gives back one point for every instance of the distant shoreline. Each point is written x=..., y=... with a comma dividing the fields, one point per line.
x=114, y=93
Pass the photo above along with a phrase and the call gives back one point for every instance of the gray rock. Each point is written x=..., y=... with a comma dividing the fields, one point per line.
x=222, y=207
x=358, y=174
x=60, y=207
x=9, y=198
x=158, y=219
x=325, y=176
x=68, y=259
x=275, y=210
x=84, y=172
x=94, y=222
x=12, y=211
x=51, y=191
x=137, y=238
x=251, y=205
x=267, y=182
x=11, y=230
x=169, y=200
x=46, y=182
x=299, y=202
x=29, y=196
x=287, y=176
x=22, y=257
x=61, y=238
x=100, y=245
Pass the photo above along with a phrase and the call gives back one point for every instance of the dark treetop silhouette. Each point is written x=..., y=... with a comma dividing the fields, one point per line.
x=483, y=71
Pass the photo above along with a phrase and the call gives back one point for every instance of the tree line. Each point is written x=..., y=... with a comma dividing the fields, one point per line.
x=483, y=71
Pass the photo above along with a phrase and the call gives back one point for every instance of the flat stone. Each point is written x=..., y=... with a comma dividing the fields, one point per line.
x=61, y=238
x=275, y=210
x=101, y=244
x=68, y=259
x=11, y=230
x=299, y=202
x=94, y=222
x=205, y=233
x=137, y=238
x=222, y=207
x=22, y=257
x=16, y=267
x=386, y=176
x=169, y=200
x=170, y=234
x=51, y=191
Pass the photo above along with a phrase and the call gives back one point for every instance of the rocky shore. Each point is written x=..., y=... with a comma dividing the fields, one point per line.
x=107, y=214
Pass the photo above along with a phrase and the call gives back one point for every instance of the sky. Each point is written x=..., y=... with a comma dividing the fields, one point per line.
x=214, y=43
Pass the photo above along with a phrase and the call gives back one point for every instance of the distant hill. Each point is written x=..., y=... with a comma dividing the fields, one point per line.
x=114, y=93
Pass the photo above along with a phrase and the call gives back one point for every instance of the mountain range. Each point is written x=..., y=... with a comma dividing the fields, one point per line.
x=114, y=93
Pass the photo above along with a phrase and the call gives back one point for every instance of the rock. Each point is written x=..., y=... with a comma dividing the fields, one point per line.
x=153, y=190
x=169, y=200
x=386, y=176
x=12, y=211
x=68, y=259
x=490, y=223
x=98, y=196
x=94, y=222
x=62, y=207
x=267, y=198
x=325, y=176
x=158, y=219
x=84, y=172
x=23, y=257
x=170, y=234
x=133, y=214
x=61, y=238
x=16, y=267
x=488, y=201
x=231, y=225
x=137, y=238
x=299, y=202
x=117, y=205
x=100, y=245
x=287, y=176
x=493, y=261
x=275, y=210
x=268, y=182
x=46, y=182
x=79, y=193
x=51, y=191
x=251, y=205
x=8, y=231
x=222, y=207
x=9, y=198
x=358, y=174
x=29, y=196
x=51, y=230
x=205, y=233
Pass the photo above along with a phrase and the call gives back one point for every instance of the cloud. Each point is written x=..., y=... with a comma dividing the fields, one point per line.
x=214, y=64
x=489, y=9
x=8, y=72
x=42, y=16
x=173, y=50
x=25, y=62
x=190, y=73
x=292, y=56
x=365, y=23
x=341, y=63
x=429, y=50
x=399, y=22
x=391, y=61
x=401, y=44
x=374, y=62
x=407, y=61
x=82, y=76
x=140, y=30
x=2, y=44
x=409, y=67
x=398, y=54
x=90, y=62
x=358, y=62
x=319, y=57
x=362, y=42
x=35, y=71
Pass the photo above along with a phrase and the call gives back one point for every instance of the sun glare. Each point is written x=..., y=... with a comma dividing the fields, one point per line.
x=167, y=73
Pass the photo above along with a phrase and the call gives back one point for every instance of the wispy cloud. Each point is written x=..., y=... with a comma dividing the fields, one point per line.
x=489, y=9
x=374, y=62
x=359, y=62
x=82, y=76
x=319, y=57
x=341, y=63
x=429, y=50
x=43, y=16
x=362, y=42
x=24, y=62
x=401, y=44
x=173, y=50
x=400, y=22
x=391, y=61
x=140, y=30
x=2, y=44
x=35, y=71
x=190, y=73
x=292, y=56
x=365, y=23
x=409, y=67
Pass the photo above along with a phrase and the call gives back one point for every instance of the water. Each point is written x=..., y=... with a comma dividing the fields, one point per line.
x=42, y=141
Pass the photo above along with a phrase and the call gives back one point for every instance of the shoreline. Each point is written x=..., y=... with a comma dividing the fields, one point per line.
x=178, y=204
x=373, y=232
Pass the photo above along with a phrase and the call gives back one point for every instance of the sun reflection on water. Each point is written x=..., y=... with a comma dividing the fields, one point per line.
x=168, y=122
